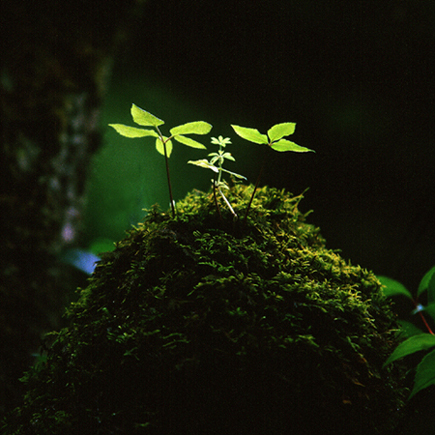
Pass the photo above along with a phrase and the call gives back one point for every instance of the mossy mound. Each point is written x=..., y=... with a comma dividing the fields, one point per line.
x=204, y=325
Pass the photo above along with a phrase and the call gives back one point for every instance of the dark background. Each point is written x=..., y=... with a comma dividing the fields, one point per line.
x=356, y=77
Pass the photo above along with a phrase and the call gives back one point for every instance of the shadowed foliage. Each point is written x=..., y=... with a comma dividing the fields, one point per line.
x=202, y=324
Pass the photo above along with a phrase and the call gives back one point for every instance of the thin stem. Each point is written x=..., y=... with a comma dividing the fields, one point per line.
x=215, y=200
x=227, y=203
x=255, y=189
x=171, y=198
x=416, y=304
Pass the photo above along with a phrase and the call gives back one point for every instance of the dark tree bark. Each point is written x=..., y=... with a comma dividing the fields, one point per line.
x=55, y=61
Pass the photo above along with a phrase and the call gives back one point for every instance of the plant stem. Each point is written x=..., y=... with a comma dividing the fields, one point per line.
x=215, y=200
x=171, y=198
x=423, y=318
x=255, y=189
x=227, y=203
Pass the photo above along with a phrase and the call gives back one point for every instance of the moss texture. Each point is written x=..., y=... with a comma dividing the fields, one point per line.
x=206, y=325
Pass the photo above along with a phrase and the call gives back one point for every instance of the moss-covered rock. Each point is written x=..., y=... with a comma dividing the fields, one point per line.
x=206, y=325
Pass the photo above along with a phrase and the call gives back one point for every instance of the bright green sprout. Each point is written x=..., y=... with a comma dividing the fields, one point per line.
x=215, y=164
x=273, y=139
x=163, y=143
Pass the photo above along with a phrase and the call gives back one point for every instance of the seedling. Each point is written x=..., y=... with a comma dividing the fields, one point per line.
x=274, y=139
x=418, y=340
x=215, y=164
x=164, y=144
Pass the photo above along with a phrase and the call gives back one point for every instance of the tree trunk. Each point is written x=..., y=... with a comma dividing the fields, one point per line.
x=55, y=62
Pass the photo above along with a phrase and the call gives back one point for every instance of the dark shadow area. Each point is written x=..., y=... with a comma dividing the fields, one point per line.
x=356, y=77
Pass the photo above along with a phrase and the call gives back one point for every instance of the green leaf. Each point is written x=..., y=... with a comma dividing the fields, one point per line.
x=198, y=127
x=233, y=173
x=412, y=345
x=203, y=163
x=431, y=289
x=430, y=309
x=393, y=287
x=142, y=117
x=160, y=149
x=222, y=141
x=125, y=130
x=251, y=134
x=189, y=142
x=287, y=145
x=425, y=374
x=428, y=283
x=228, y=156
x=408, y=329
x=278, y=131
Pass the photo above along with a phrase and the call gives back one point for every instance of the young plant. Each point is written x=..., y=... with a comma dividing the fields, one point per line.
x=163, y=143
x=273, y=139
x=215, y=164
x=418, y=340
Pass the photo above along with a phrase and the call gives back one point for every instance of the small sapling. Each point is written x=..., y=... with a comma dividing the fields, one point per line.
x=273, y=139
x=215, y=164
x=163, y=143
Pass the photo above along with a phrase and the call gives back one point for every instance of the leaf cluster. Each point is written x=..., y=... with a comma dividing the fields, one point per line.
x=417, y=340
x=217, y=160
x=146, y=119
x=274, y=138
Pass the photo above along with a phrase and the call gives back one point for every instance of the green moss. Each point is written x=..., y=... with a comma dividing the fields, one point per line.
x=204, y=325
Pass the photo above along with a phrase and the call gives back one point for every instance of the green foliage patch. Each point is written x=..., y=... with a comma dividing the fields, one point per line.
x=417, y=340
x=206, y=325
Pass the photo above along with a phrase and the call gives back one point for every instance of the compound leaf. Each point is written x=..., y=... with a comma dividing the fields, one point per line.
x=251, y=134
x=204, y=163
x=160, y=148
x=189, y=142
x=142, y=117
x=411, y=345
x=127, y=131
x=393, y=287
x=198, y=127
x=278, y=131
x=425, y=374
x=287, y=145
x=234, y=174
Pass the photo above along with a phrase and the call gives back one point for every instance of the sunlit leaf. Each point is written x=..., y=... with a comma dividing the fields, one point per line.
x=393, y=287
x=222, y=141
x=189, y=142
x=228, y=156
x=127, y=131
x=198, y=127
x=428, y=283
x=287, y=145
x=233, y=173
x=251, y=134
x=203, y=163
x=425, y=374
x=142, y=117
x=278, y=131
x=412, y=345
x=160, y=148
